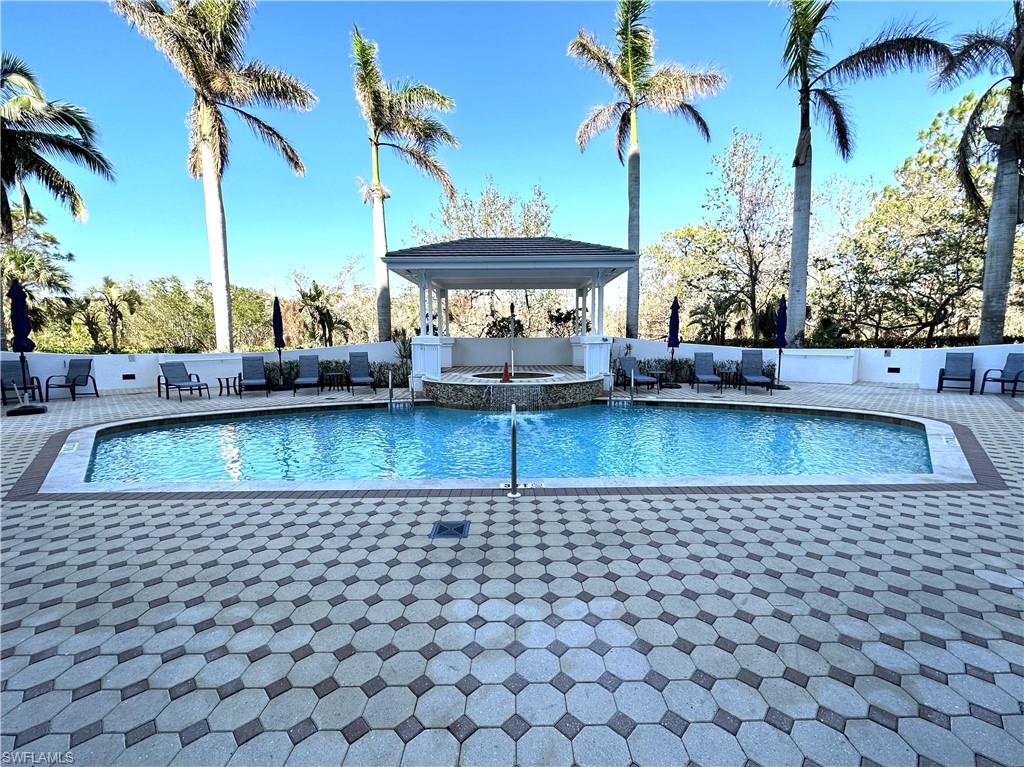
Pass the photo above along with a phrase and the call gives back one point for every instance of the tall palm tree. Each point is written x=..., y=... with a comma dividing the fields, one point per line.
x=205, y=41
x=900, y=46
x=398, y=116
x=116, y=302
x=999, y=50
x=34, y=129
x=639, y=82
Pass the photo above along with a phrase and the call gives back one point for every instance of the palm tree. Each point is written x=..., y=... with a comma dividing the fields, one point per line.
x=205, y=42
x=116, y=302
x=639, y=82
x=33, y=129
x=900, y=46
x=321, y=323
x=398, y=116
x=32, y=257
x=85, y=309
x=999, y=50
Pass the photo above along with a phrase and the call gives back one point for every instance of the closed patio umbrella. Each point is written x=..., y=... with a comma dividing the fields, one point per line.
x=21, y=343
x=780, y=341
x=673, y=341
x=278, y=323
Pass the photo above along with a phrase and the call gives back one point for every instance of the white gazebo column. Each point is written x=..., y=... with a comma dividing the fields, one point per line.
x=423, y=306
x=426, y=349
x=600, y=310
x=593, y=310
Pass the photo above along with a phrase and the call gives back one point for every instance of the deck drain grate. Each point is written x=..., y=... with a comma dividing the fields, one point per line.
x=452, y=529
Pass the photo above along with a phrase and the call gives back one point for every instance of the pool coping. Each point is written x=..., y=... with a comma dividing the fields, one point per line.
x=959, y=463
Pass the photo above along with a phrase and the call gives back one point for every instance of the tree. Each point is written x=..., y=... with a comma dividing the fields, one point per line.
x=639, y=83
x=817, y=83
x=32, y=256
x=116, y=302
x=999, y=50
x=205, y=42
x=737, y=251
x=493, y=214
x=86, y=311
x=911, y=268
x=398, y=116
x=712, y=317
x=34, y=129
x=316, y=302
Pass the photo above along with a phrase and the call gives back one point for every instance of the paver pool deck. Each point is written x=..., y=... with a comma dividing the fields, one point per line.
x=761, y=626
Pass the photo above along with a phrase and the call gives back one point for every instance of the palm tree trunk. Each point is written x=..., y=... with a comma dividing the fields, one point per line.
x=633, y=232
x=217, y=239
x=380, y=250
x=380, y=269
x=796, y=319
x=1002, y=224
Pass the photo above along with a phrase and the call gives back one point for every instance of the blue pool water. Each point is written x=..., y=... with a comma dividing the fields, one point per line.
x=432, y=442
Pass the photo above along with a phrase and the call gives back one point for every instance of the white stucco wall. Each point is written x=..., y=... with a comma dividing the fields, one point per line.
x=494, y=351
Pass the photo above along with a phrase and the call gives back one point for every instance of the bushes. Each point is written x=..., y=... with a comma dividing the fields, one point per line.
x=681, y=369
x=832, y=342
x=400, y=371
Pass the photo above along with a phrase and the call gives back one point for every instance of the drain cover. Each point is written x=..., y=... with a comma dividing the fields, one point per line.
x=454, y=529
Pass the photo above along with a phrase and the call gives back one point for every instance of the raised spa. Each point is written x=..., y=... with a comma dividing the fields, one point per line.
x=439, y=443
x=516, y=377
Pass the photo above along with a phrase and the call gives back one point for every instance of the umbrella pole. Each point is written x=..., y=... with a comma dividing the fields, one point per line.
x=778, y=368
x=24, y=376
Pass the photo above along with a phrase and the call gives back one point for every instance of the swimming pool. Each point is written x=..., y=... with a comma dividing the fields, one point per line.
x=437, y=443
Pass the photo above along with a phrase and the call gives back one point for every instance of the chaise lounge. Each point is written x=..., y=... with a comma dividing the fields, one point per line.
x=752, y=371
x=79, y=376
x=174, y=375
x=254, y=374
x=1012, y=373
x=309, y=374
x=959, y=367
x=704, y=371
x=14, y=381
x=630, y=370
x=359, y=371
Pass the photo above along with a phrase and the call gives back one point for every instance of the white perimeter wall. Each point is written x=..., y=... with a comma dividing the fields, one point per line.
x=912, y=367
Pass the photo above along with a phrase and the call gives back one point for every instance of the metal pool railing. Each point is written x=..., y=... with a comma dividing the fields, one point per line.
x=513, y=491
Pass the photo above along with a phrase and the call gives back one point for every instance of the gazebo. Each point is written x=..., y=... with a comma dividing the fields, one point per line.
x=511, y=263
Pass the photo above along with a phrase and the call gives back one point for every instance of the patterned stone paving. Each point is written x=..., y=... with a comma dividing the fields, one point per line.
x=853, y=627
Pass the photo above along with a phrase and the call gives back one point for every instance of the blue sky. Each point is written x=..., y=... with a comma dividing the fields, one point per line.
x=519, y=100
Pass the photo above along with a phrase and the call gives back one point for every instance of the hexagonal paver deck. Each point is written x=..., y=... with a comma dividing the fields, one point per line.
x=752, y=628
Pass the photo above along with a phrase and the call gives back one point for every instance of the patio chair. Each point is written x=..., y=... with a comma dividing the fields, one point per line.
x=959, y=367
x=13, y=381
x=79, y=376
x=254, y=374
x=359, y=371
x=752, y=371
x=704, y=371
x=630, y=370
x=309, y=374
x=174, y=375
x=1012, y=372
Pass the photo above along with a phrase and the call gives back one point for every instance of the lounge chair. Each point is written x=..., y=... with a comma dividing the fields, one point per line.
x=359, y=371
x=79, y=376
x=309, y=374
x=631, y=371
x=1012, y=372
x=174, y=375
x=13, y=381
x=752, y=371
x=254, y=374
x=704, y=370
x=959, y=367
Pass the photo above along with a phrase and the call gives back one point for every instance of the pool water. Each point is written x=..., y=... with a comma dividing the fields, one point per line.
x=433, y=442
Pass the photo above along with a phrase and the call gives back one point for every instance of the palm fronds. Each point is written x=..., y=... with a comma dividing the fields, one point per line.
x=975, y=53
x=638, y=81
x=967, y=149
x=902, y=46
x=832, y=111
x=805, y=27
x=32, y=129
x=205, y=41
x=398, y=116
